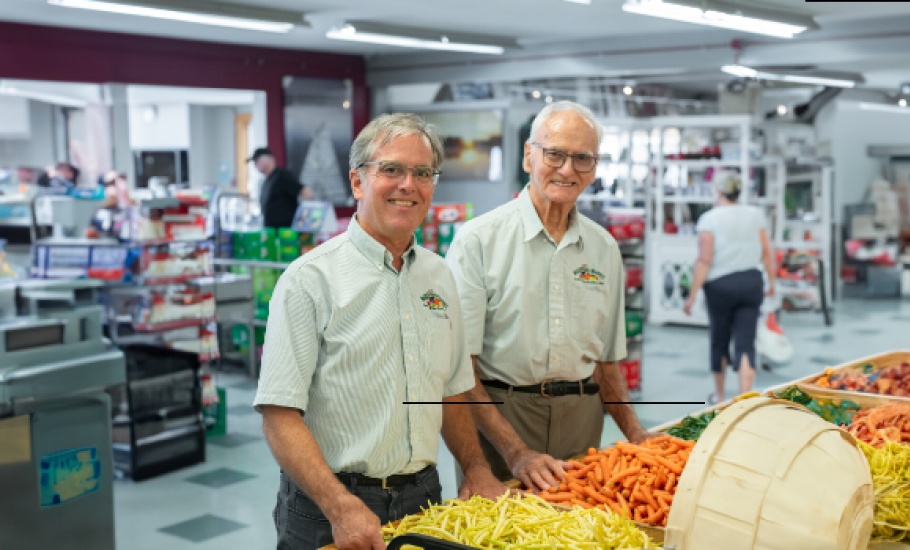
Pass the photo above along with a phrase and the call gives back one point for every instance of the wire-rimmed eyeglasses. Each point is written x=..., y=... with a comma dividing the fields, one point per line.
x=556, y=158
x=396, y=171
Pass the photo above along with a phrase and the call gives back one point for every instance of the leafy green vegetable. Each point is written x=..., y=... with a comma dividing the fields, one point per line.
x=691, y=427
x=837, y=414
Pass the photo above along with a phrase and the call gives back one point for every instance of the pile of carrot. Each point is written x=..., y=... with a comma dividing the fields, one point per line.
x=881, y=424
x=636, y=481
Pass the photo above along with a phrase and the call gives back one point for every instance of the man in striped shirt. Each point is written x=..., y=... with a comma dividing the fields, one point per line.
x=364, y=345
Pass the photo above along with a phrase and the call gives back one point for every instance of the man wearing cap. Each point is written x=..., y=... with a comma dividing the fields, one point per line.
x=280, y=190
x=543, y=299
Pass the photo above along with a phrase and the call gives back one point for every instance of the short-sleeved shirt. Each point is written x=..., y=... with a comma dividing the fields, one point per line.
x=278, y=198
x=737, y=246
x=350, y=340
x=535, y=310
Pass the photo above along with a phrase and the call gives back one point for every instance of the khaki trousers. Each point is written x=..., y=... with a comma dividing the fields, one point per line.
x=562, y=426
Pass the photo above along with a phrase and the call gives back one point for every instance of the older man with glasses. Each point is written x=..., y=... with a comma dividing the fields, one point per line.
x=364, y=359
x=543, y=299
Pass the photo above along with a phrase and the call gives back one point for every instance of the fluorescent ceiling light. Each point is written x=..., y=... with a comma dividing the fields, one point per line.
x=66, y=101
x=202, y=12
x=718, y=14
x=374, y=33
x=817, y=80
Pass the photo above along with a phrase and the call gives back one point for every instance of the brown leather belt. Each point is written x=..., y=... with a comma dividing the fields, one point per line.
x=550, y=388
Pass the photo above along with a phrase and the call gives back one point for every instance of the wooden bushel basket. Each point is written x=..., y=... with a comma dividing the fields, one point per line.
x=770, y=475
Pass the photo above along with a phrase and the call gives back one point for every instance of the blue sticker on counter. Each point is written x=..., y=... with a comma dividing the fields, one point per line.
x=69, y=474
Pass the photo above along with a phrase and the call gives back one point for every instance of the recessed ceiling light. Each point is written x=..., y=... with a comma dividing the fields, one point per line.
x=535, y=94
x=627, y=90
x=781, y=110
x=902, y=102
x=549, y=99
x=345, y=104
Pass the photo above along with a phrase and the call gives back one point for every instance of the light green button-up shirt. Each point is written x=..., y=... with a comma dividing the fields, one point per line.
x=535, y=310
x=350, y=340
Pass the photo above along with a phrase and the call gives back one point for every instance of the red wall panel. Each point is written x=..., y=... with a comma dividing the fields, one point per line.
x=71, y=55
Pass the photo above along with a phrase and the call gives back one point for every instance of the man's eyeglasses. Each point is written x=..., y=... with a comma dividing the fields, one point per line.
x=555, y=158
x=396, y=171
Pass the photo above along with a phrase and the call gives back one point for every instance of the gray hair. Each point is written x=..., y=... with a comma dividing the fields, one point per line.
x=552, y=109
x=383, y=129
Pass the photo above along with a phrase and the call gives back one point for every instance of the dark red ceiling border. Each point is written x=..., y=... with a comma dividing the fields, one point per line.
x=73, y=55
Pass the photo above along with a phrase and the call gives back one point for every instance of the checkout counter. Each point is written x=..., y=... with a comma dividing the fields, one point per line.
x=56, y=467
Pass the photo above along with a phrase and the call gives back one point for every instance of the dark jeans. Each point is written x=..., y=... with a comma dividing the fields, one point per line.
x=733, y=304
x=301, y=525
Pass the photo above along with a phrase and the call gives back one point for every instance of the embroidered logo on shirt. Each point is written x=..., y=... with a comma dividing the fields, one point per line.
x=433, y=301
x=588, y=275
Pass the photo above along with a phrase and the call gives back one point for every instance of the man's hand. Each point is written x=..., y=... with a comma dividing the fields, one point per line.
x=479, y=480
x=538, y=471
x=354, y=526
x=640, y=436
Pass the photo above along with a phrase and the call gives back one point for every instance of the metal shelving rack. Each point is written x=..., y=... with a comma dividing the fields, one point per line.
x=671, y=256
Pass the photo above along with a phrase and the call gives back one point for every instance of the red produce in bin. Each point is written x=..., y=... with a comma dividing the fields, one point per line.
x=631, y=371
x=634, y=276
x=619, y=232
x=636, y=229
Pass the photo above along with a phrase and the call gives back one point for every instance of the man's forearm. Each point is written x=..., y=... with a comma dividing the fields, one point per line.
x=616, y=398
x=298, y=454
x=460, y=433
x=498, y=431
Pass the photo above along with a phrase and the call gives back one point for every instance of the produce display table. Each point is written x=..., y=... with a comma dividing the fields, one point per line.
x=770, y=473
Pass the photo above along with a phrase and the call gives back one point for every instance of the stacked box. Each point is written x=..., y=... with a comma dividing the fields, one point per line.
x=256, y=245
x=442, y=221
x=288, y=245
x=634, y=323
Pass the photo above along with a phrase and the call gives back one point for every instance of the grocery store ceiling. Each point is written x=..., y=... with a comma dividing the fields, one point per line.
x=558, y=38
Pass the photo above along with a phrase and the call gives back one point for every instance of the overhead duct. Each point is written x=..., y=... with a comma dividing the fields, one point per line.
x=806, y=112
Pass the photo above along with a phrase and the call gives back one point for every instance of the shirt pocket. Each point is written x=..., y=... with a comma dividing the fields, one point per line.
x=437, y=350
x=588, y=303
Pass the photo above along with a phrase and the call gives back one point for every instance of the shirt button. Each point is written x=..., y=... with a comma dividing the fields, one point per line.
x=556, y=321
x=410, y=357
x=556, y=358
x=407, y=317
x=555, y=287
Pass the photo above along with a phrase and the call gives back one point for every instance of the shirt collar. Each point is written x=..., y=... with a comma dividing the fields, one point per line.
x=374, y=252
x=533, y=226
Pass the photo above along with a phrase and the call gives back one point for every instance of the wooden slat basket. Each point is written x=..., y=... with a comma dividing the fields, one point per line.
x=767, y=474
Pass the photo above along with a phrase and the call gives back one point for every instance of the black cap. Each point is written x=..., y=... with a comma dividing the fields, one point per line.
x=262, y=151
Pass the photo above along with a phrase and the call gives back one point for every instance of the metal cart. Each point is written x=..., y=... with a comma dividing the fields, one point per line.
x=55, y=417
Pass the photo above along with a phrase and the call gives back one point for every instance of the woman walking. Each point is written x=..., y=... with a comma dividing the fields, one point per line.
x=732, y=247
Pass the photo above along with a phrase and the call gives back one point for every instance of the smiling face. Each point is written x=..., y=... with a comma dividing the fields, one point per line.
x=389, y=210
x=568, y=132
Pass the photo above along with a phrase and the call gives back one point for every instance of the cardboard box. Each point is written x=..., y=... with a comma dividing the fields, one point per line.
x=451, y=213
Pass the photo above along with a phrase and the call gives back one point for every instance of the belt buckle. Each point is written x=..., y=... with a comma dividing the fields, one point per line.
x=385, y=485
x=543, y=388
